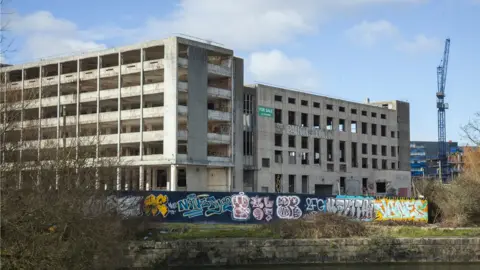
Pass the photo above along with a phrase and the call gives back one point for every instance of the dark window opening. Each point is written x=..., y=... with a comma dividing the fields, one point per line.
x=374, y=163
x=316, y=104
x=305, y=142
x=278, y=183
x=374, y=129
x=384, y=164
x=353, y=111
x=381, y=187
x=374, y=149
x=291, y=183
x=365, y=163
x=304, y=119
x=278, y=116
x=329, y=150
x=383, y=116
x=342, y=151
x=374, y=114
x=304, y=102
x=304, y=158
x=304, y=184
x=341, y=109
x=278, y=98
x=278, y=156
x=182, y=178
x=364, y=128
x=364, y=113
x=364, y=149
x=354, y=155
x=316, y=151
x=393, y=165
x=291, y=118
x=383, y=130
x=291, y=100
x=392, y=134
x=316, y=121
x=278, y=139
x=329, y=123
x=342, y=185
x=392, y=150
x=329, y=107
x=291, y=141
x=341, y=124
x=384, y=150
x=266, y=162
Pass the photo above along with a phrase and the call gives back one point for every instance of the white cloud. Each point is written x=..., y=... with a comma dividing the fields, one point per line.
x=277, y=68
x=369, y=33
x=420, y=43
x=47, y=36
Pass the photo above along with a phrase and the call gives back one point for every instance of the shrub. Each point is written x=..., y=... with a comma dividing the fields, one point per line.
x=323, y=225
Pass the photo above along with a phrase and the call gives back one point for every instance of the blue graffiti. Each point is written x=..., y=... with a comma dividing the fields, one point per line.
x=315, y=205
x=203, y=205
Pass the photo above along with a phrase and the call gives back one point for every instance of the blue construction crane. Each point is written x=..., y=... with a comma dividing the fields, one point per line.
x=442, y=106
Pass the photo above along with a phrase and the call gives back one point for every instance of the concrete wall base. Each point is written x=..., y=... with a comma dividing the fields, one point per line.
x=257, y=251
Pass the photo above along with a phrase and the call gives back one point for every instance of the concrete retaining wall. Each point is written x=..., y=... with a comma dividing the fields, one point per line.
x=257, y=251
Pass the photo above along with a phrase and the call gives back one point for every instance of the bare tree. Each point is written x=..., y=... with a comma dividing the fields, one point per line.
x=58, y=206
x=471, y=131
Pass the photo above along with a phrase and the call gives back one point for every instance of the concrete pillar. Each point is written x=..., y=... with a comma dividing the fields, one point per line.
x=149, y=179
x=141, y=183
x=229, y=179
x=170, y=100
x=173, y=178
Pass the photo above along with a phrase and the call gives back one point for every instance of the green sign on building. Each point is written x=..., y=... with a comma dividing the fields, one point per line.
x=265, y=112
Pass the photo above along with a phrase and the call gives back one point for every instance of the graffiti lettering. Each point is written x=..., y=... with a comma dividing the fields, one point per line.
x=315, y=205
x=241, y=208
x=401, y=209
x=351, y=206
x=155, y=205
x=262, y=208
x=198, y=205
x=287, y=207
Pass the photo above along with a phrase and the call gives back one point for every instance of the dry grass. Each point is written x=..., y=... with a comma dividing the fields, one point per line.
x=456, y=204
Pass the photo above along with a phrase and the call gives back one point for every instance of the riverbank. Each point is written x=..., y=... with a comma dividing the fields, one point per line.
x=242, y=251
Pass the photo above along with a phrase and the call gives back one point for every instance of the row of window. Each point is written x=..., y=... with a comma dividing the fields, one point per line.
x=380, y=187
x=304, y=144
x=305, y=122
x=330, y=107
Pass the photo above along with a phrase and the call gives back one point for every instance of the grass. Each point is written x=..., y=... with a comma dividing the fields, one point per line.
x=301, y=229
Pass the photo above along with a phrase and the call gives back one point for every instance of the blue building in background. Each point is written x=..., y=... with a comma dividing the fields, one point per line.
x=424, y=156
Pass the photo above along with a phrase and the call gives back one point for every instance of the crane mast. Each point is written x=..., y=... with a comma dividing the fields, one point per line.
x=442, y=106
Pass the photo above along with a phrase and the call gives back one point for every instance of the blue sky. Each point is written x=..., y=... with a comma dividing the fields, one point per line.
x=351, y=49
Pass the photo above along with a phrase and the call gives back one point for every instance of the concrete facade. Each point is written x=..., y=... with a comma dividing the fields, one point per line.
x=162, y=108
x=176, y=115
x=315, y=144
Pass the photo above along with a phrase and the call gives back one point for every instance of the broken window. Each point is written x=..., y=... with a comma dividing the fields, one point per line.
x=384, y=164
x=393, y=165
x=291, y=118
x=383, y=130
x=316, y=121
x=291, y=183
x=374, y=163
x=364, y=113
x=384, y=150
x=364, y=149
x=330, y=167
x=374, y=149
x=278, y=183
x=329, y=123
x=329, y=107
x=353, y=126
x=392, y=134
x=381, y=187
x=304, y=184
x=291, y=100
x=316, y=104
x=329, y=150
x=316, y=151
x=304, y=119
x=278, y=156
x=342, y=151
x=365, y=163
x=392, y=150
x=278, y=98
x=305, y=142
x=341, y=124
x=353, y=111
x=374, y=129
x=278, y=139
x=342, y=185
x=278, y=116
x=292, y=157
x=291, y=141
x=354, y=155
x=304, y=158
x=341, y=109
x=304, y=102
x=383, y=116
x=364, y=128
x=374, y=114
x=265, y=162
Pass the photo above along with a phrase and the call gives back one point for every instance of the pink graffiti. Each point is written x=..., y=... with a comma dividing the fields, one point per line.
x=287, y=207
x=262, y=208
x=240, y=207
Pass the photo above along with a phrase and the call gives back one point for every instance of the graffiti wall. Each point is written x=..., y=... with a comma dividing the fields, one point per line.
x=225, y=207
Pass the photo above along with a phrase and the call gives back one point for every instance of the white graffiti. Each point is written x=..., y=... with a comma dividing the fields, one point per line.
x=262, y=208
x=360, y=208
x=315, y=205
x=287, y=207
x=240, y=207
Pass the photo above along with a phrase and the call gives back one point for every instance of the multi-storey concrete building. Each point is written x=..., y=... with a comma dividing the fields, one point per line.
x=162, y=108
x=176, y=116
x=299, y=142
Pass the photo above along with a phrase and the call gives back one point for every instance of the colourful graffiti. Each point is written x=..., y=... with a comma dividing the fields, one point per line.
x=226, y=207
x=401, y=209
x=287, y=207
x=156, y=205
x=357, y=207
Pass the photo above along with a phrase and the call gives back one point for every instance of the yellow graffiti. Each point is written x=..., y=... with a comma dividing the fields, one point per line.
x=154, y=205
x=401, y=209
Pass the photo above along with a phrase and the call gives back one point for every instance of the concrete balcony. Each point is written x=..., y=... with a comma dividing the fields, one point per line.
x=212, y=138
x=68, y=78
x=131, y=68
x=212, y=91
x=212, y=68
x=14, y=86
x=89, y=74
x=109, y=72
x=212, y=115
x=219, y=160
x=52, y=80
x=153, y=64
x=31, y=83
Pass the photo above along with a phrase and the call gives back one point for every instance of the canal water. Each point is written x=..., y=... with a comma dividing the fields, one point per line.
x=439, y=266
